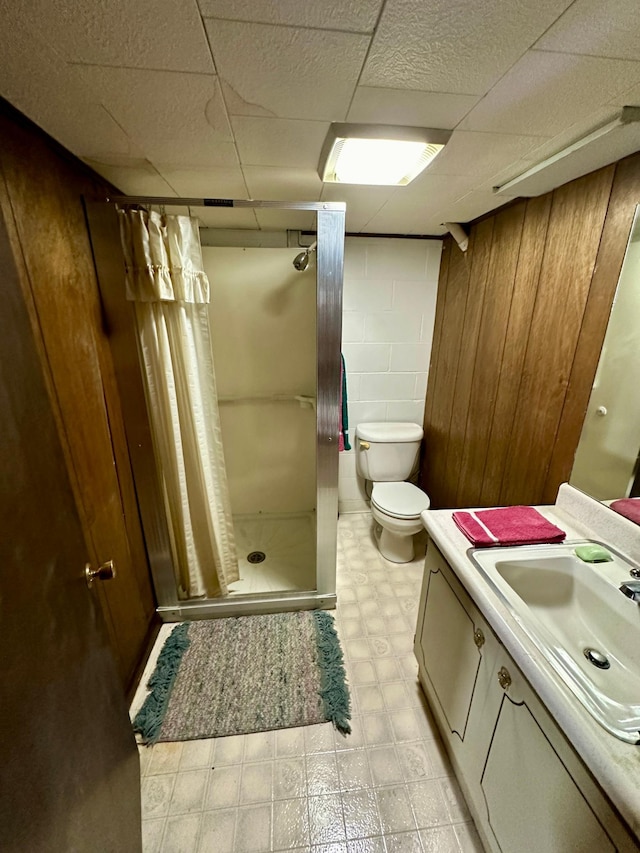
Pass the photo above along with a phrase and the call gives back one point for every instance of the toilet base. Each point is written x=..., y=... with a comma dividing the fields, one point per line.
x=397, y=548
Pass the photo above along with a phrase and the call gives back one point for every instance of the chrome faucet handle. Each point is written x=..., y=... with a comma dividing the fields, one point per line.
x=634, y=572
x=631, y=589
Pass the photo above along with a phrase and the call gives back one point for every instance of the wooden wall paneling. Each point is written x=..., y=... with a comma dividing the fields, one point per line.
x=498, y=293
x=435, y=344
x=430, y=423
x=45, y=195
x=480, y=249
x=625, y=195
x=23, y=276
x=458, y=269
x=138, y=564
x=120, y=332
x=531, y=252
x=577, y=216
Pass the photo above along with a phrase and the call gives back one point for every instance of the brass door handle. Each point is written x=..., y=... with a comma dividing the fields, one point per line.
x=478, y=638
x=105, y=572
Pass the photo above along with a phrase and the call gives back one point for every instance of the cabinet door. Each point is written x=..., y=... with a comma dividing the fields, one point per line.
x=445, y=644
x=532, y=801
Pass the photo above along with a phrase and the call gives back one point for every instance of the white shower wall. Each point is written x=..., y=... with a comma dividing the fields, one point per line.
x=390, y=288
x=263, y=324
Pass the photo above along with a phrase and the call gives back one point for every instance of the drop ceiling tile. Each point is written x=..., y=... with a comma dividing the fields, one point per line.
x=416, y=208
x=269, y=183
x=135, y=33
x=220, y=182
x=595, y=28
x=546, y=148
x=228, y=217
x=350, y=15
x=237, y=106
x=429, y=226
x=175, y=118
x=362, y=202
x=630, y=97
x=481, y=154
x=134, y=178
x=279, y=142
x=39, y=83
x=283, y=220
x=598, y=154
x=405, y=106
x=394, y=220
x=472, y=205
x=292, y=73
x=442, y=46
x=546, y=92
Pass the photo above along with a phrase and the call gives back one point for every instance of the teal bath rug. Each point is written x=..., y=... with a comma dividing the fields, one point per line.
x=246, y=674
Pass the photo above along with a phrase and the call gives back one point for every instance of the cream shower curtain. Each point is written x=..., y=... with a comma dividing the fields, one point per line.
x=170, y=292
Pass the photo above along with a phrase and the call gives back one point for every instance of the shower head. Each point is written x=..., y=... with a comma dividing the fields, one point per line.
x=301, y=261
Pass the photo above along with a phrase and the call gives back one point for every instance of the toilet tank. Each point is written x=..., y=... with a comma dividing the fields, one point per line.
x=387, y=452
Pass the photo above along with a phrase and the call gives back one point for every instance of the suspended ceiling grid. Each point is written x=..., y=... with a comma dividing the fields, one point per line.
x=233, y=98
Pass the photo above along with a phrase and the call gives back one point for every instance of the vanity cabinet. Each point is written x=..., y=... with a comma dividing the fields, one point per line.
x=525, y=785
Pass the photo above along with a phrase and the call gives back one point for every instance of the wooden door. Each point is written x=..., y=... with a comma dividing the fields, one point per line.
x=70, y=772
x=41, y=189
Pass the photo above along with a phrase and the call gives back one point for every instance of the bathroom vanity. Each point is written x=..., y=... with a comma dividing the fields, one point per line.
x=537, y=770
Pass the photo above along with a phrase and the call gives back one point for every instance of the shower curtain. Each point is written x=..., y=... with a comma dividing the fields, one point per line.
x=170, y=291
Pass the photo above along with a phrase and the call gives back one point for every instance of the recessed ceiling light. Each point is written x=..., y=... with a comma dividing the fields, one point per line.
x=378, y=154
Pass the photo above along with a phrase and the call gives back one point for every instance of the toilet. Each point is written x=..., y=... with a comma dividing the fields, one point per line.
x=386, y=454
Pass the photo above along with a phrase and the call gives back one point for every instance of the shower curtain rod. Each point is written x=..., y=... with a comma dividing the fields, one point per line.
x=225, y=202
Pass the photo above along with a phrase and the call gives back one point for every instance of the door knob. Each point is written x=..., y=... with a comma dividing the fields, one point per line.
x=105, y=572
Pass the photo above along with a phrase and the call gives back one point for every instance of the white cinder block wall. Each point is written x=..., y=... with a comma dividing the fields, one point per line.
x=390, y=290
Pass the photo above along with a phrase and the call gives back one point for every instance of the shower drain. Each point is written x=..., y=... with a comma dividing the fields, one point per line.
x=256, y=557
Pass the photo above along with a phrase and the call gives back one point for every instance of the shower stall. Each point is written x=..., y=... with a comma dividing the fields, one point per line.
x=275, y=322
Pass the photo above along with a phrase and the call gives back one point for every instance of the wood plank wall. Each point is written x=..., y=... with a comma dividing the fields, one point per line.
x=41, y=189
x=520, y=321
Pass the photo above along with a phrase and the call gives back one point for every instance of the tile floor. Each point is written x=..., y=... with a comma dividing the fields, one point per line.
x=386, y=788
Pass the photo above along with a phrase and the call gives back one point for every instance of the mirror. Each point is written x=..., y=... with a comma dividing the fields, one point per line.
x=606, y=461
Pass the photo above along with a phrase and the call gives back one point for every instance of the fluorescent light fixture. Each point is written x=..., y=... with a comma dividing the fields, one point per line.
x=603, y=146
x=378, y=154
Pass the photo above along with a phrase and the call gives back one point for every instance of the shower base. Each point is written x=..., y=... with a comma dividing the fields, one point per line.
x=288, y=542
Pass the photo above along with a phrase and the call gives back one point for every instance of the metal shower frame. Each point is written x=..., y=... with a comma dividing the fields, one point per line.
x=104, y=233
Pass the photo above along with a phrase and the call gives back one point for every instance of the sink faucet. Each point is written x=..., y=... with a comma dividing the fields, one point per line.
x=632, y=590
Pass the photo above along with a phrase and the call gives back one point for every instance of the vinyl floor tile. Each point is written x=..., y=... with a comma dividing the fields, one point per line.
x=386, y=788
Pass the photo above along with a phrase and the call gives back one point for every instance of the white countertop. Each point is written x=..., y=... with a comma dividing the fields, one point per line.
x=614, y=763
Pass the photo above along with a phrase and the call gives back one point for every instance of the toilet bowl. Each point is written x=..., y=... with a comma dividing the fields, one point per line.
x=386, y=453
x=396, y=507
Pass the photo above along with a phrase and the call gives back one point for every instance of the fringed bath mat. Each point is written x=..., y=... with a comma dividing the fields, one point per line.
x=246, y=674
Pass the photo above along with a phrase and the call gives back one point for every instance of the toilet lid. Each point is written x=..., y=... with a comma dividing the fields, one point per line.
x=402, y=500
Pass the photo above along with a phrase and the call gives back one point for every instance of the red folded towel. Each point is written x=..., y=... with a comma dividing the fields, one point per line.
x=629, y=507
x=510, y=525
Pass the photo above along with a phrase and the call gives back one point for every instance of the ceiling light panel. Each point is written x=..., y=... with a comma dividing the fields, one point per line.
x=382, y=155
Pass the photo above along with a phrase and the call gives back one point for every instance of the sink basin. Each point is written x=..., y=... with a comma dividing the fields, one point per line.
x=577, y=617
